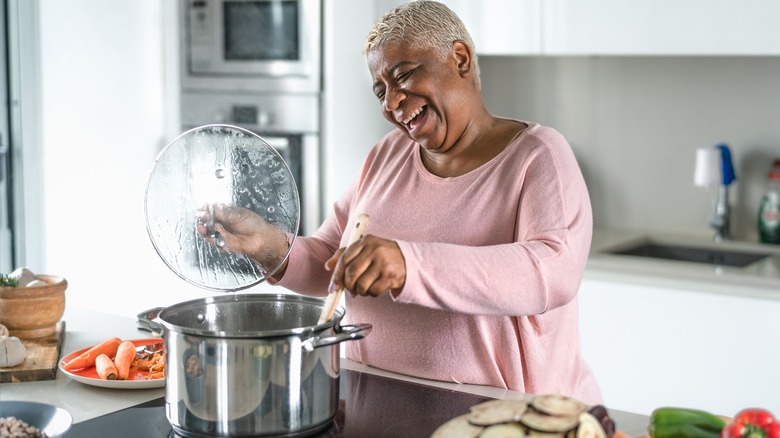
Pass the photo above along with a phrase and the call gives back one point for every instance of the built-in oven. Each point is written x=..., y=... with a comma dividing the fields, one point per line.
x=289, y=123
x=251, y=45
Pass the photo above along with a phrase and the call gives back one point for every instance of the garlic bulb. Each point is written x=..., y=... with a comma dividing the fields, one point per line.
x=3, y=330
x=23, y=276
x=36, y=283
x=12, y=351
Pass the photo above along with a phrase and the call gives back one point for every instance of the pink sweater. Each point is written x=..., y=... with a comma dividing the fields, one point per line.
x=494, y=260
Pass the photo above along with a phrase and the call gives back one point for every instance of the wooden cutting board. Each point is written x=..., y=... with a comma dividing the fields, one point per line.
x=41, y=363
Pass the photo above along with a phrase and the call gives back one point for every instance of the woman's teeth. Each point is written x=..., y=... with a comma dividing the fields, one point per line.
x=412, y=116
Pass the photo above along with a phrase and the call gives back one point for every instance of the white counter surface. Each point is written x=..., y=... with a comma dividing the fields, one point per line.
x=85, y=328
x=758, y=280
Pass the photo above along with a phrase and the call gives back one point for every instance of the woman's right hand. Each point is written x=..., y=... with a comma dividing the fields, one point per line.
x=372, y=266
x=242, y=231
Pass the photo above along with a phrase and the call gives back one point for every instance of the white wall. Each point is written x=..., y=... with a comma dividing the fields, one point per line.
x=104, y=122
x=352, y=119
x=635, y=124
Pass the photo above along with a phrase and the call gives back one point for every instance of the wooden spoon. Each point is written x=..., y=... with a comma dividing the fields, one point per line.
x=332, y=301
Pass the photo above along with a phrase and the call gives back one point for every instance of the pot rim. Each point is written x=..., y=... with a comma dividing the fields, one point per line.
x=248, y=297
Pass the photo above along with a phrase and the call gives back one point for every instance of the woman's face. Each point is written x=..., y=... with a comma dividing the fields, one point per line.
x=421, y=93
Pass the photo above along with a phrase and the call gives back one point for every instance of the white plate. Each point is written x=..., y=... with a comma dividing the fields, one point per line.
x=117, y=384
x=89, y=376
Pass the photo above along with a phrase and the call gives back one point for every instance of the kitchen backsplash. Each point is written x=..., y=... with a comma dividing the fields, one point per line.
x=635, y=124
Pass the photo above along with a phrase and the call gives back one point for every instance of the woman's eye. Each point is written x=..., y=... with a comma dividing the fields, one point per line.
x=402, y=76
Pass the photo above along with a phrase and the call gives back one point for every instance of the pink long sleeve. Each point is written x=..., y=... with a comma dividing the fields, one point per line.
x=494, y=261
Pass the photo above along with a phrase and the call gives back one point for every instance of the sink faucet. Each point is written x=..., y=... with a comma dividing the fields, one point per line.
x=720, y=219
x=714, y=167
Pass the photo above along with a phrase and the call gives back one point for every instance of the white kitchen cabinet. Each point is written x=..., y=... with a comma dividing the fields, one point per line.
x=620, y=27
x=651, y=346
x=498, y=27
x=661, y=27
x=502, y=27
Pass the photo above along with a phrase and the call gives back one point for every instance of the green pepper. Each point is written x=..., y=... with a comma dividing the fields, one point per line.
x=669, y=422
x=752, y=423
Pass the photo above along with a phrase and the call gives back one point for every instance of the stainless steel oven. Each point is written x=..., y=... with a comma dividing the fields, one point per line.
x=287, y=122
x=257, y=45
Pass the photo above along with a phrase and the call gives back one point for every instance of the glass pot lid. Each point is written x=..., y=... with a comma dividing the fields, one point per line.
x=216, y=167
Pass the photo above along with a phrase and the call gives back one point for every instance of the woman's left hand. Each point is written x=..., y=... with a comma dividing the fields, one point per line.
x=371, y=266
x=242, y=231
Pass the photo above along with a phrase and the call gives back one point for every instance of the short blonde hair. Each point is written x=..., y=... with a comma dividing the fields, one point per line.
x=424, y=24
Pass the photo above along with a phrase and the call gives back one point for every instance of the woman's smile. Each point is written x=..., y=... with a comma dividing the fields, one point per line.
x=416, y=119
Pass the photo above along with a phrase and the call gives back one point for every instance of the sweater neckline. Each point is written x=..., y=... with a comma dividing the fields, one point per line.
x=479, y=170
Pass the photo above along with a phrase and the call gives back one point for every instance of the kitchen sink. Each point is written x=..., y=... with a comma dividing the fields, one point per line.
x=711, y=256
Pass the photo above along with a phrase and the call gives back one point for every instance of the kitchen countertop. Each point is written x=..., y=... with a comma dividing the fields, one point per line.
x=85, y=402
x=758, y=280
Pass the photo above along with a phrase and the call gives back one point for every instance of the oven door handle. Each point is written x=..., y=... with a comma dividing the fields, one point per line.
x=278, y=143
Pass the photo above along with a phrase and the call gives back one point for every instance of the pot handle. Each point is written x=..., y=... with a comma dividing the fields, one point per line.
x=146, y=320
x=346, y=333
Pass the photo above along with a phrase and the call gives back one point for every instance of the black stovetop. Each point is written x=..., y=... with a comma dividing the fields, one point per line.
x=370, y=406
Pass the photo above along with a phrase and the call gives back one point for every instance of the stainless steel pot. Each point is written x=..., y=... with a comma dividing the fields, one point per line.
x=251, y=365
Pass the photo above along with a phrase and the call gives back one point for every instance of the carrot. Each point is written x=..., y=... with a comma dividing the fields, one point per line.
x=87, y=358
x=153, y=364
x=125, y=355
x=105, y=367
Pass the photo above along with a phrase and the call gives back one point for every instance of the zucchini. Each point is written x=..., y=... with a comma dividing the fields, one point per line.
x=668, y=422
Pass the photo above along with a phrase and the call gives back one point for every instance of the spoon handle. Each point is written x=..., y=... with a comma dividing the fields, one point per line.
x=332, y=301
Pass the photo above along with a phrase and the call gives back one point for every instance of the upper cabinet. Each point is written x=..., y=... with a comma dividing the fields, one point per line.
x=502, y=27
x=661, y=27
x=622, y=27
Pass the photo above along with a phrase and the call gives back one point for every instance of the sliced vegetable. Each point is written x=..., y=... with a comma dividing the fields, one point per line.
x=87, y=358
x=152, y=364
x=752, y=423
x=543, y=416
x=125, y=355
x=105, y=367
x=670, y=422
x=602, y=415
x=458, y=427
x=512, y=430
x=590, y=427
x=497, y=411
x=562, y=405
x=530, y=433
x=549, y=423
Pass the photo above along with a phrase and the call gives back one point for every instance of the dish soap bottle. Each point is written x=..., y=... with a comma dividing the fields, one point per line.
x=769, y=210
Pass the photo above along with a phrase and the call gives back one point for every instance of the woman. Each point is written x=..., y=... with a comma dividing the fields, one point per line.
x=479, y=226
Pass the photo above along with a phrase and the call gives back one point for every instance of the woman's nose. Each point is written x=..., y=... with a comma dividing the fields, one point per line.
x=393, y=98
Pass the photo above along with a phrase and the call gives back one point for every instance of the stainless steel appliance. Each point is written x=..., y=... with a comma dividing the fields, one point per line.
x=258, y=45
x=286, y=121
x=256, y=64
x=251, y=364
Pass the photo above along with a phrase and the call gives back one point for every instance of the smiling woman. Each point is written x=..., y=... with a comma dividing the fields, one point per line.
x=480, y=226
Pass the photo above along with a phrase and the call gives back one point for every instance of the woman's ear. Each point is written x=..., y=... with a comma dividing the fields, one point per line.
x=461, y=52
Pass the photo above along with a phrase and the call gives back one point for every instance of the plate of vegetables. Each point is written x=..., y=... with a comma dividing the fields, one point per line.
x=117, y=363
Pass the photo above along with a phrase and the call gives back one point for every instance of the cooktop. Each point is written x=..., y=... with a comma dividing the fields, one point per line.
x=370, y=406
